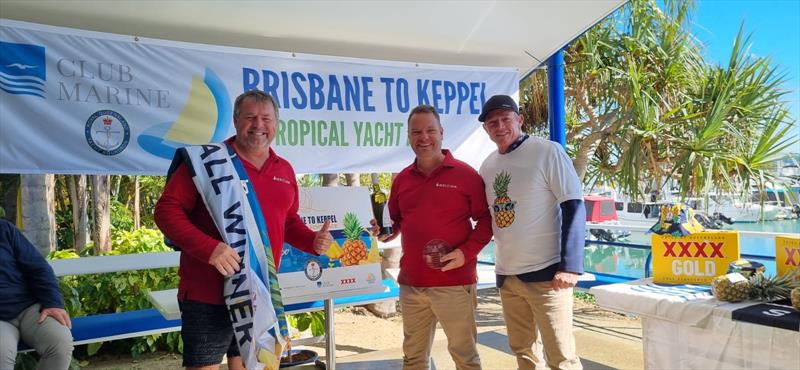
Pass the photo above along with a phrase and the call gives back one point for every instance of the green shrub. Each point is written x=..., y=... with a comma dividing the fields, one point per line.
x=122, y=291
x=121, y=217
x=303, y=321
x=29, y=360
x=121, y=223
x=139, y=241
x=586, y=297
x=126, y=291
x=65, y=236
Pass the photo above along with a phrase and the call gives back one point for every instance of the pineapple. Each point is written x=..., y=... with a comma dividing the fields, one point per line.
x=771, y=288
x=796, y=298
x=731, y=287
x=353, y=250
x=503, y=205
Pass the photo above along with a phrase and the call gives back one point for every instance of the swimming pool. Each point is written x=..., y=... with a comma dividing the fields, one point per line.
x=630, y=262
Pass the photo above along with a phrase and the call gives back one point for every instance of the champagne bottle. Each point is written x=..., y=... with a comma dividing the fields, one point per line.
x=379, y=208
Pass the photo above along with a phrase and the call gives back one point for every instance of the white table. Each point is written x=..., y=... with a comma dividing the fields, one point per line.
x=166, y=302
x=685, y=327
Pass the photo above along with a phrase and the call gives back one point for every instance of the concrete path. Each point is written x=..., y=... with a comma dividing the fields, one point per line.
x=604, y=340
x=602, y=344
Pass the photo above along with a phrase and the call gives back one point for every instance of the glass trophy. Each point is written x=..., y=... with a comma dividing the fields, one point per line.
x=434, y=251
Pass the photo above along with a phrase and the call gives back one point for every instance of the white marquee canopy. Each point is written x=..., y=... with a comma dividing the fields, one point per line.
x=452, y=54
x=520, y=34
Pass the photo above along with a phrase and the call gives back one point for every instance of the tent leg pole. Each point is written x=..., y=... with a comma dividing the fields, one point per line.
x=330, y=341
x=556, y=113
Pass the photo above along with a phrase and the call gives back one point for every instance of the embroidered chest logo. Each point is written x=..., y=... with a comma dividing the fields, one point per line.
x=281, y=179
x=448, y=186
x=503, y=205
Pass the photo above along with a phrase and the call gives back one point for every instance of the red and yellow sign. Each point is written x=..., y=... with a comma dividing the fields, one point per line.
x=787, y=253
x=695, y=258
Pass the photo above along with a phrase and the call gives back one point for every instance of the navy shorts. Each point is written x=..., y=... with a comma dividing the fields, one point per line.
x=207, y=334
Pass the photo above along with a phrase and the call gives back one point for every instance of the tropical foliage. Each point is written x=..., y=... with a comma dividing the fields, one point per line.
x=121, y=291
x=645, y=109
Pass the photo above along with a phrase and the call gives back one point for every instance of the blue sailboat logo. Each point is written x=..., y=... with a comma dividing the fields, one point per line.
x=205, y=118
x=22, y=69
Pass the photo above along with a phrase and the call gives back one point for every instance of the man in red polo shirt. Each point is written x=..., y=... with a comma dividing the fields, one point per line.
x=432, y=202
x=206, y=260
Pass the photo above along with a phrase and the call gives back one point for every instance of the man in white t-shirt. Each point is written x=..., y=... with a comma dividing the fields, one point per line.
x=539, y=224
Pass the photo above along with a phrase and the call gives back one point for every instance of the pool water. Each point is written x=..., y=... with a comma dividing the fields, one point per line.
x=630, y=262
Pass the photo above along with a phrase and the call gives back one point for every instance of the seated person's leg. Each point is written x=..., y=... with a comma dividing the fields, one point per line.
x=9, y=337
x=51, y=339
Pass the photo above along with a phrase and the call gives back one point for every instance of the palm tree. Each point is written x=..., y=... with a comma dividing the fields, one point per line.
x=623, y=79
x=330, y=179
x=101, y=199
x=80, y=211
x=644, y=108
x=739, y=129
x=755, y=166
x=38, y=211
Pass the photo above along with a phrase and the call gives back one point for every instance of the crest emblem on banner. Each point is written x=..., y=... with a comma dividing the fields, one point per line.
x=22, y=69
x=107, y=132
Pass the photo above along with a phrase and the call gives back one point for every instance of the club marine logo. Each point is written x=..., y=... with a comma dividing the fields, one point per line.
x=205, y=118
x=107, y=132
x=22, y=69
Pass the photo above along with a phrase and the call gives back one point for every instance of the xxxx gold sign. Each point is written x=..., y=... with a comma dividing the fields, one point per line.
x=787, y=253
x=695, y=258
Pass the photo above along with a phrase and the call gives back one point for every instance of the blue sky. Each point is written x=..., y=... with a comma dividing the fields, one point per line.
x=774, y=26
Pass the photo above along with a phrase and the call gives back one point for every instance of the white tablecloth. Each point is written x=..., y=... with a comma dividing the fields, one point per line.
x=685, y=327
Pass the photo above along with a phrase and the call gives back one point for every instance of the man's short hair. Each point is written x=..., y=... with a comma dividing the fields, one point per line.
x=258, y=96
x=425, y=108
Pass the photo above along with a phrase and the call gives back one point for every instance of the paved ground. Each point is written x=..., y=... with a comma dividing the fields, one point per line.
x=605, y=340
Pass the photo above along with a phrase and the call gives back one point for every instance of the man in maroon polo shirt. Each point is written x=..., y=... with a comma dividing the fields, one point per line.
x=433, y=199
x=206, y=260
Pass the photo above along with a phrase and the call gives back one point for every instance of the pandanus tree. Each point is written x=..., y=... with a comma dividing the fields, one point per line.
x=737, y=127
x=645, y=110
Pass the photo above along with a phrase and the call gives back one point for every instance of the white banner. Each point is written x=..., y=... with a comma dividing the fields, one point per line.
x=80, y=102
